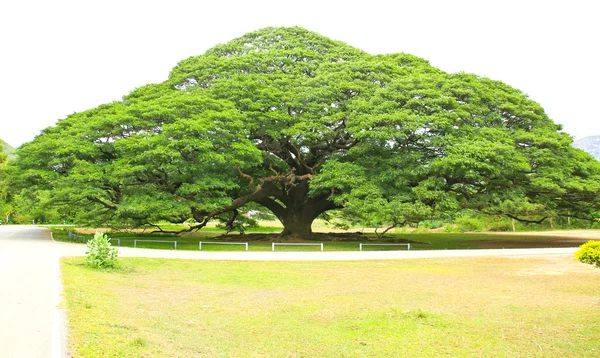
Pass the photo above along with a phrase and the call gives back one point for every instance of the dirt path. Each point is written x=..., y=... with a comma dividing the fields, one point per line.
x=577, y=234
x=28, y=293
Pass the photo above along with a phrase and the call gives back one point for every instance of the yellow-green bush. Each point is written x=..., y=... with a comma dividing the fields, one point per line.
x=589, y=253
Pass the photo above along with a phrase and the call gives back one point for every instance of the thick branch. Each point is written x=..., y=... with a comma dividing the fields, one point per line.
x=258, y=194
x=289, y=179
x=311, y=170
x=527, y=221
x=101, y=202
x=229, y=224
x=384, y=231
x=243, y=175
x=278, y=148
x=272, y=205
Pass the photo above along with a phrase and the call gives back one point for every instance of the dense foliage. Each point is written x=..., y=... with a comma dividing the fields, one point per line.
x=286, y=120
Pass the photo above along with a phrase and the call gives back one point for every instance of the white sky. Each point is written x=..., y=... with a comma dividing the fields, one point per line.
x=58, y=56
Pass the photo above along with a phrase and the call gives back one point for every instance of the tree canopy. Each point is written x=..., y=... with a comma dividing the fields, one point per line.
x=299, y=124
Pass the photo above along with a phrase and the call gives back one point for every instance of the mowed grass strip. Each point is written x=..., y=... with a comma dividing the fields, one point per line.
x=465, y=307
x=418, y=241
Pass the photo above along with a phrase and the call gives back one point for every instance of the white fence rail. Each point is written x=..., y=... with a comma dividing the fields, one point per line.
x=117, y=240
x=361, y=245
x=136, y=241
x=221, y=243
x=294, y=244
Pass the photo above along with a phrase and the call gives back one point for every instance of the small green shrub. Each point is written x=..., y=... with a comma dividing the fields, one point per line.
x=466, y=224
x=451, y=228
x=499, y=226
x=139, y=342
x=100, y=254
x=432, y=224
x=589, y=253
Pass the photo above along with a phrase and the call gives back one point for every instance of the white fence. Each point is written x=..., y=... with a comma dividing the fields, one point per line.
x=294, y=244
x=361, y=245
x=221, y=243
x=136, y=241
x=77, y=238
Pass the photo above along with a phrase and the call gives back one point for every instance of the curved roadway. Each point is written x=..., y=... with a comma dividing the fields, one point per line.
x=30, y=280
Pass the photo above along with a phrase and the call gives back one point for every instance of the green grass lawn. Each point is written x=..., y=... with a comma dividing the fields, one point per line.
x=418, y=241
x=461, y=307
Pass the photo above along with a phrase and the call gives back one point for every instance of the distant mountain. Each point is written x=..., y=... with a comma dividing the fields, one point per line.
x=8, y=150
x=589, y=144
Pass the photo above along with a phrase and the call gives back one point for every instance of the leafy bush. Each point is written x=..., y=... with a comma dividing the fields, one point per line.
x=451, y=228
x=589, y=253
x=467, y=223
x=100, y=254
x=432, y=224
x=503, y=225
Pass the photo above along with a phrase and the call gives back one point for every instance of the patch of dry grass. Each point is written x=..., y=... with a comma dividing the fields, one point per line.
x=467, y=307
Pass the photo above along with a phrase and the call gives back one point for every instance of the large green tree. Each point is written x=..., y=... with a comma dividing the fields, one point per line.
x=299, y=124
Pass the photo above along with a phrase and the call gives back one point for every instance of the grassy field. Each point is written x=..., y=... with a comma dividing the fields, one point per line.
x=418, y=241
x=468, y=307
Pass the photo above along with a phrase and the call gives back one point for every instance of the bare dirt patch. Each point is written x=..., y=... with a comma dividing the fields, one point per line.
x=557, y=266
x=525, y=242
x=557, y=238
x=573, y=234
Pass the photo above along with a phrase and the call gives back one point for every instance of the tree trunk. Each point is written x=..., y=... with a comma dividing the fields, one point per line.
x=297, y=226
x=296, y=210
x=297, y=218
